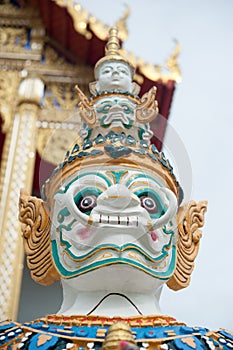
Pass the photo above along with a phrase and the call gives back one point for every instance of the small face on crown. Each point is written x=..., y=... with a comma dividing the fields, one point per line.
x=114, y=75
x=115, y=111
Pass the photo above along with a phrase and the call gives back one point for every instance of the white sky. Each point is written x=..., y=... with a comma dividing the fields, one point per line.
x=202, y=117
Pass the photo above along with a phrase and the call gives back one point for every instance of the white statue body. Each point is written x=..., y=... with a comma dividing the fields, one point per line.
x=114, y=218
x=114, y=226
x=110, y=226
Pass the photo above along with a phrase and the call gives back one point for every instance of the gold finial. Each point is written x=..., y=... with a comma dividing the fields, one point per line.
x=119, y=331
x=112, y=52
x=121, y=24
x=113, y=46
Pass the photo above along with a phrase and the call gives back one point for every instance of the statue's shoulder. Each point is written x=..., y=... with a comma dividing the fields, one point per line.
x=69, y=334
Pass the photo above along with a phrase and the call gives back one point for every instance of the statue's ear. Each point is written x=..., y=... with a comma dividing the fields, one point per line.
x=190, y=218
x=135, y=88
x=36, y=226
x=93, y=86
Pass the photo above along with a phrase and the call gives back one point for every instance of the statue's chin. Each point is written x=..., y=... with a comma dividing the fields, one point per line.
x=115, y=278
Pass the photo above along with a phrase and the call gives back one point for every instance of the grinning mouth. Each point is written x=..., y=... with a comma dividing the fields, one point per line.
x=131, y=220
x=116, y=115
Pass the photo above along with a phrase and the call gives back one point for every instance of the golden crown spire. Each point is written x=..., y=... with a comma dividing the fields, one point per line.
x=113, y=46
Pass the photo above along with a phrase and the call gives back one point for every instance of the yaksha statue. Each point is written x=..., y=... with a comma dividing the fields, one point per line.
x=112, y=229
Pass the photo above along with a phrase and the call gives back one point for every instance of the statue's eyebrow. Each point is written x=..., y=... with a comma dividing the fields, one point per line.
x=123, y=66
x=109, y=101
x=103, y=68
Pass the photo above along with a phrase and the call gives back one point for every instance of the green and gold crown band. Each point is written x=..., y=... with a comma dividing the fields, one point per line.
x=112, y=149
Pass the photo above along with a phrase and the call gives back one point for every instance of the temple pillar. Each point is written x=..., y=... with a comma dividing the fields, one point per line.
x=17, y=172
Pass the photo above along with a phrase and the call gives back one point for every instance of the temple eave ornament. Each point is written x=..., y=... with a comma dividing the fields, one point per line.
x=82, y=20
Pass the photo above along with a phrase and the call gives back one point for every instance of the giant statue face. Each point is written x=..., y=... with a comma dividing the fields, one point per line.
x=114, y=216
x=114, y=75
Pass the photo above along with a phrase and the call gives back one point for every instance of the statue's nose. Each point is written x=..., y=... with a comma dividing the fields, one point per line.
x=115, y=72
x=115, y=108
x=118, y=197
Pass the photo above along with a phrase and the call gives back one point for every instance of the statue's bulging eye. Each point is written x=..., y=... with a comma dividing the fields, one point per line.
x=125, y=107
x=87, y=203
x=106, y=108
x=149, y=203
x=86, y=200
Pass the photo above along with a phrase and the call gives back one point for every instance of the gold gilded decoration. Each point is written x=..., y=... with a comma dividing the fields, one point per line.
x=56, y=69
x=101, y=30
x=9, y=82
x=121, y=24
x=189, y=341
x=190, y=219
x=13, y=39
x=36, y=225
x=60, y=95
x=95, y=320
x=147, y=109
x=119, y=331
x=86, y=109
x=82, y=20
x=170, y=71
x=16, y=41
x=172, y=63
x=79, y=15
x=42, y=339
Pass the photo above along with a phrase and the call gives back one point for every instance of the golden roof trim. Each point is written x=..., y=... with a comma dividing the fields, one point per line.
x=170, y=71
x=82, y=18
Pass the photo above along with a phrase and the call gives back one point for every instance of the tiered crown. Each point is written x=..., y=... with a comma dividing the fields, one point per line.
x=123, y=145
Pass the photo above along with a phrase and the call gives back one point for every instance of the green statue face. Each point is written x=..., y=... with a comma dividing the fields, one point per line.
x=115, y=111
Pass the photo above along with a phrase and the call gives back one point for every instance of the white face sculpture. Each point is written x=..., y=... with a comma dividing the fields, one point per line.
x=114, y=216
x=114, y=75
